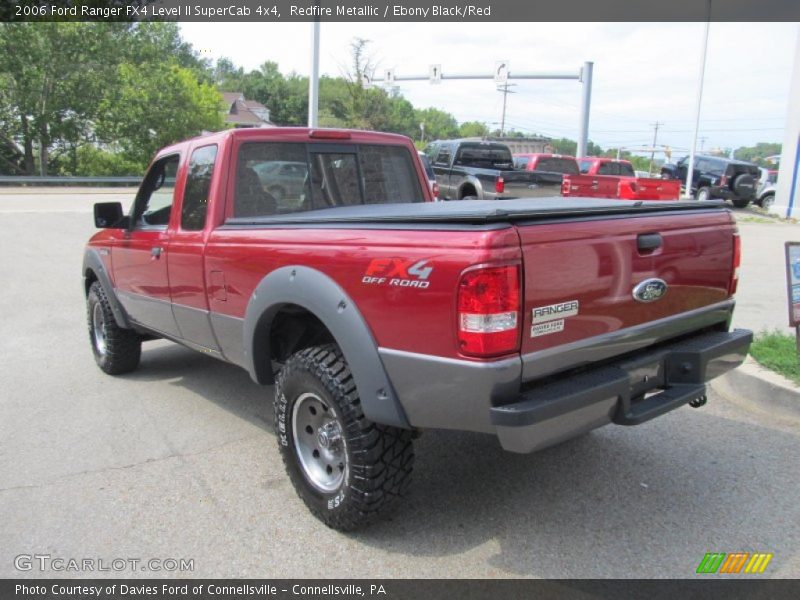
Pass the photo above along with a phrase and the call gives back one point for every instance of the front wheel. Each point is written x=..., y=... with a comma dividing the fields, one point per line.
x=767, y=201
x=116, y=350
x=347, y=470
x=703, y=194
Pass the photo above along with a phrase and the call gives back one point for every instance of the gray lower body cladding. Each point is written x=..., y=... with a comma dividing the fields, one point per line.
x=636, y=382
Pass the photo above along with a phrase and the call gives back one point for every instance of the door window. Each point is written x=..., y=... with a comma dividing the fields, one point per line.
x=154, y=202
x=198, y=184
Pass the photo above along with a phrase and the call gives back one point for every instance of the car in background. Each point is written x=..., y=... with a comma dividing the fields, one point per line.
x=717, y=177
x=426, y=164
x=551, y=163
x=283, y=180
x=765, y=196
x=602, y=177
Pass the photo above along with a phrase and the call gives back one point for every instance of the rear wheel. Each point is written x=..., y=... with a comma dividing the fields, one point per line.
x=767, y=201
x=347, y=470
x=116, y=350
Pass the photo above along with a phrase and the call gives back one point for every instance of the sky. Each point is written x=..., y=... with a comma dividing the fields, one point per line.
x=643, y=72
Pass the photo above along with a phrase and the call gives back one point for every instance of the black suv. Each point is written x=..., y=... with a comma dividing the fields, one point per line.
x=717, y=177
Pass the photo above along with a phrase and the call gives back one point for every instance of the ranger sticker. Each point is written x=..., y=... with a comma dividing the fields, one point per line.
x=547, y=328
x=555, y=311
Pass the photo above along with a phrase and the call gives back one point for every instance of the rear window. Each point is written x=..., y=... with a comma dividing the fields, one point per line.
x=558, y=165
x=486, y=156
x=626, y=170
x=521, y=162
x=282, y=177
x=585, y=165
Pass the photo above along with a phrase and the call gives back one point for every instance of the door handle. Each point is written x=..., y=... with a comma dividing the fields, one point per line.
x=156, y=251
x=647, y=242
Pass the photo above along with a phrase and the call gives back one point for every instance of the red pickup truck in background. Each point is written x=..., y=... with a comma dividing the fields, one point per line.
x=317, y=261
x=610, y=178
x=552, y=163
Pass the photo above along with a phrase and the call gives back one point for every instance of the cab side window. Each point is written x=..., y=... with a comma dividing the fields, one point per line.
x=154, y=202
x=198, y=184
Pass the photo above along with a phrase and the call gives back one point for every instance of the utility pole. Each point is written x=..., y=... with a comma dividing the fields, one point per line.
x=656, y=125
x=504, y=88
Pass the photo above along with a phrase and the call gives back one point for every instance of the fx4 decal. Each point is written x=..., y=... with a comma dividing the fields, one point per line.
x=398, y=272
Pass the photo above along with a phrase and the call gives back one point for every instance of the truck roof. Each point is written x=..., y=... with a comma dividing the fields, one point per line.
x=293, y=134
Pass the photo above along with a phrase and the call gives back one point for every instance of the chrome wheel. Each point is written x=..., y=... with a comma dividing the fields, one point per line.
x=319, y=442
x=768, y=201
x=99, y=329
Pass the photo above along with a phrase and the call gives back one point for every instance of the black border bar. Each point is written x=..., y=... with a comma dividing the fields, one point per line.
x=478, y=11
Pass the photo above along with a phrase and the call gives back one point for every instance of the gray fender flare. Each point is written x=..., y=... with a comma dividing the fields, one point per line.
x=325, y=299
x=474, y=182
x=92, y=262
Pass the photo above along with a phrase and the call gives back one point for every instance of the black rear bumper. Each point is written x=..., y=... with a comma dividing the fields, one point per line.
x=627, y=392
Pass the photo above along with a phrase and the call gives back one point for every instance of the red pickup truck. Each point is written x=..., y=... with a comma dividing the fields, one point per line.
x=609, y=178
x=378, y=313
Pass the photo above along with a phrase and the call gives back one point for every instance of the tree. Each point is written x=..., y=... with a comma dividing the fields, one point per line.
x=473, y=129
x=155, y=105
x=439, y=125
x=56, y=76
x=759, y=153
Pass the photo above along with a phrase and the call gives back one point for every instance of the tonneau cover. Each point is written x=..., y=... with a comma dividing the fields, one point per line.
x=476, y=211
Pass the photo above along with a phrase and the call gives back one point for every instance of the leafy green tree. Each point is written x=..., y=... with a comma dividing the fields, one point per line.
x=155, y=105
x=759, y=153
x=439, y=125
x=58, y=80
x=473, y=129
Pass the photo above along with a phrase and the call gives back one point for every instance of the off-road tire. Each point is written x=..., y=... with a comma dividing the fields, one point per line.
x=767, y=201
x=123, y=347
x=380, y=458
x=702, y=193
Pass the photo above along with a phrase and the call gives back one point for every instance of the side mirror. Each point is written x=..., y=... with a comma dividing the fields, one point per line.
x=108, y=215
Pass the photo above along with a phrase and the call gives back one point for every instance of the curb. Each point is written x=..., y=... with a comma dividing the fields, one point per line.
x=759, y=388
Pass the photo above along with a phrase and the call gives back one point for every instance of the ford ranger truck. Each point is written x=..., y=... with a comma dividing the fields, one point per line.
x=609, y=178
x=378, y=313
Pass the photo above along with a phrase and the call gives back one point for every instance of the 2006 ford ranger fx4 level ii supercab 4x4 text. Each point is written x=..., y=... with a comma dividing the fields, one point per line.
x=316, y=260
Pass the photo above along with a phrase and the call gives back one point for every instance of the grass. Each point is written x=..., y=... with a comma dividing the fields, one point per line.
x=778, y=352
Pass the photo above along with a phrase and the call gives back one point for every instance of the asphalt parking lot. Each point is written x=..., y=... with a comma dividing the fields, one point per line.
x=178, y=459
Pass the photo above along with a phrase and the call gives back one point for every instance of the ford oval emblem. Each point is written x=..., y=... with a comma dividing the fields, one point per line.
x=650, y=290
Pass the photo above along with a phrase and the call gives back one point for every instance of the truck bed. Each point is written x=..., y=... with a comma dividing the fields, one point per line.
x=477, y=211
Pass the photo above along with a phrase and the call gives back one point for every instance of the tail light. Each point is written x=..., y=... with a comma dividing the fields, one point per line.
x=737, y=261
x=499, y=185
x=435, y=190
x=489, y=311
x=723, y=180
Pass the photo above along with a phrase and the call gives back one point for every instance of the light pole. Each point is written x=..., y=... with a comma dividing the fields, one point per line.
x=313, y=81
x=690, y=166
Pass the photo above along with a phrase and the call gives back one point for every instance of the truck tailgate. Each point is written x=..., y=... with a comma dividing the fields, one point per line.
x=579, y=276
x=522, y=184
x=649, y=188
